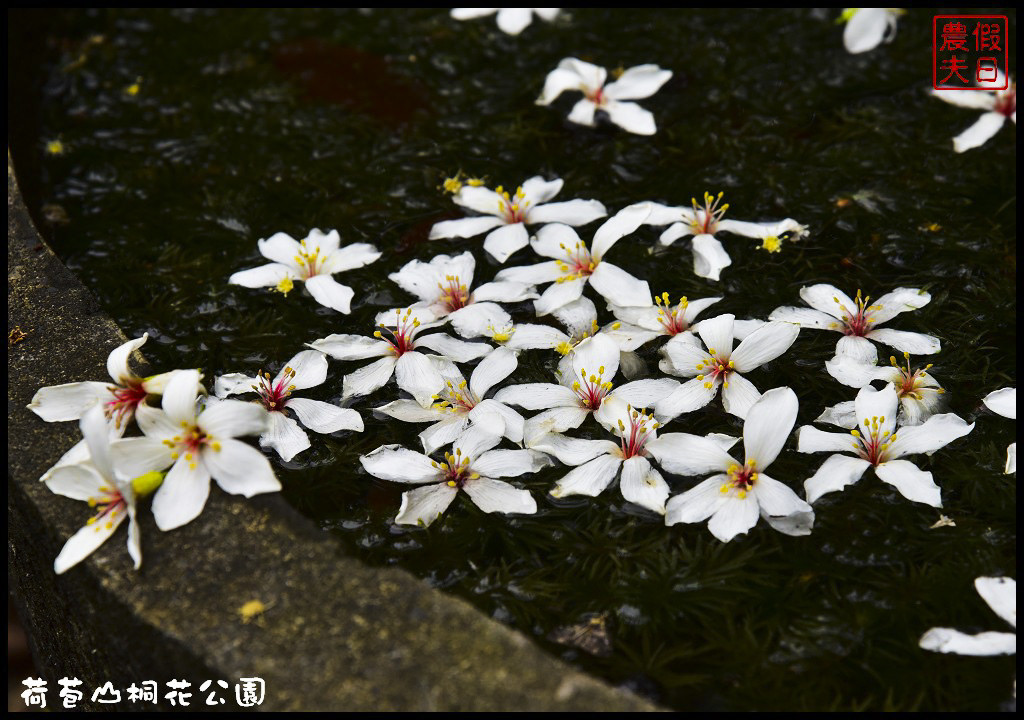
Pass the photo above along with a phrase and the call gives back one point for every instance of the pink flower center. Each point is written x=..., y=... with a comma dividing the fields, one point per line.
x=455, y=469
x=634, y=436
x=459, y=400
x=911, y=379
x=716, y=367
x=857, y=323
x=741, y=478
x=1006, y=101
x=593, y=389
x=873, y=441
x=310, y=262
x=707, y=215
x=597, y=96
x=107, y=505
x=671, y=317
x=454, y=295
x=578, y=263
x=274, y=395
x=513, y=207
x=403, y=335
x=126, y=399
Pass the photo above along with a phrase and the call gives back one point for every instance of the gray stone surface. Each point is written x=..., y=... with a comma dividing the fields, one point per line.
x=336, y=634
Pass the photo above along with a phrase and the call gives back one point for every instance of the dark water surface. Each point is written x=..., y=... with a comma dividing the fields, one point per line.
x=188, y=135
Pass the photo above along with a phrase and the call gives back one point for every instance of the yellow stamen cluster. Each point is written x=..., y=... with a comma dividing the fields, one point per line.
x=455, y=469
x=671, y=316
x=579, y=264
x=873, y=447
x=454, y=399
x=55, y=147
x=771, y=243
x=714, y=367
x=741, y=478
x=285, y=285
x=501, y=335
x=711, y=211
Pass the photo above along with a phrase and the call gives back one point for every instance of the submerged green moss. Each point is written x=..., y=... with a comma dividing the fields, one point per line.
x=187, y=135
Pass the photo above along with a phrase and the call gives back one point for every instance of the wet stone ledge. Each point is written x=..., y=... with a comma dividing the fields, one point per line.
x=336, y=634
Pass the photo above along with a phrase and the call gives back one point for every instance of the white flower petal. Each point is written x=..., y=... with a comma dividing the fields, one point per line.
x=367, y=379
x=139, y=455
x=557, y=295
x=557, y=82
x=329, y=293
x=579, y=317
x=835, y=473
x=645, y=393
x=617, y=285
x=898, y=301
x=504, y=291
x=78, y=482
x=58, y=403
x=865, y=30
x=1002, y=402
x=631, y=117
x=479, y=319
x=464, y=227
x=285, y=436
x=642, y=485
x=768, y=425
x=555, y=241
x=796, y=524
x=555, y=420
x=622, y=223
x=842, y=414
x=398, y=464
x=350, y=257
x=717, y=334
x=182, y=495
x=490, y=413
x=513, y=21
x=323, y=417
x=503, y=241
x=231, y=418
x=674, y=232
x=443, y=433
x=497, y=496
x=983, y=129
x=777, y=499
x=828, y=299
x=763, y=345
x=569, y=212
x=279, y=247
x=595, y=355
x=351, y=347
x=480, y=199
x=936, y=432
x=471, y=13
x=805, y=317
x=948, y=640
x=309, y=370
x=582, y=113
x=638, y=82
x=117, y=361
x=234, y=384
x=871, y=403
x=684, y=353
x=575, y=451
x=537, y=396
x=493, y=369
x=240, y=469
x=1001, y=595
x=1011, y=459
x=538, y=274
x=911, y=342
x=510, y=463
x=262, y=276
x=476, y=440
x=179, y=399
x=456, y=350
x=537, y=190
x=851, y=371
x=858, y=349
x=698, y=503
x=417, y=375
x=736, y=516
x=589, y=479
x=84, y=542
x=912, y=482
x=689, y=396
x=424, y=505
x=709, y=257
x=685, y=454
x=738, y=395
x=974, y=99
x=811, y=439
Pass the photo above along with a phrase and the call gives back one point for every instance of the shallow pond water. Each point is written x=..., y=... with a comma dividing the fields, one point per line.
x=187, y=135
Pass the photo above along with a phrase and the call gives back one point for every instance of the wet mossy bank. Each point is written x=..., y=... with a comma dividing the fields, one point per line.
x=336, y=634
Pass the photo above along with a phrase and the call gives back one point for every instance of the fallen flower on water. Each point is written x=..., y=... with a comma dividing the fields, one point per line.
x=740, y=493
x=306, y=370
x=998, y=105
x=919, y=392
x=311, y=261
x=504, y=217
x=472, y=466
x=1000, y=593
x=1004, y=402
x=867, y=28
x=636, y=83
x=878, y=442
x=511, y=21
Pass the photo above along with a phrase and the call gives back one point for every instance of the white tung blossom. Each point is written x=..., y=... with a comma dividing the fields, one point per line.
x=111, y=495
x=504, y=217
x=714, y=363
x=197, y=443
x=584, y=387
x=1000, y=593
x=311, y=261
x=460, y=403
x=1004, y=402
x=636, y=83
x=511, y=21
x=574, y=265
x=705, y=221
x=919, y=392
x=472, y=467
x=399, y=353
x=443, y=287
x=867, y=28
x=639, y=325
x=997, y=106
x=738, y=494
x=859, y=321
x=878, y=442
x=306, y=370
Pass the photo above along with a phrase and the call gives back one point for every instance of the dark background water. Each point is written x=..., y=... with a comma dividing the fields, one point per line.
x=188, y=135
